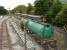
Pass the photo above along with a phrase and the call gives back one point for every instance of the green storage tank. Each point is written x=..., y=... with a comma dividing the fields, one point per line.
x=48, y=31
x=45, y=31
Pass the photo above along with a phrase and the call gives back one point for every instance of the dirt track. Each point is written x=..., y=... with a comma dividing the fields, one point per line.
x=4, y=37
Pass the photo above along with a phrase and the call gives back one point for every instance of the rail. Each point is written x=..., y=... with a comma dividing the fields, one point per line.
x=21, y=34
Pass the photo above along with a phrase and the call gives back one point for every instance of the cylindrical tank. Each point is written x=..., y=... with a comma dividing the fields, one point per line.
x=48, y=31
x=35, y=27
x=44, y=31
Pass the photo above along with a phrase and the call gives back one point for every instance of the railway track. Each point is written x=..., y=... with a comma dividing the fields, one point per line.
x=30, y=44
x=4, y=37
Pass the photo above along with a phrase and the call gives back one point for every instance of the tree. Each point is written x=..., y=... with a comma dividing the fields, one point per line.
x=42, y=6
x=3, y=11
x=57, y=6
x=19, y=9
x=61, y=20
x=29, y=8
x=54, y=10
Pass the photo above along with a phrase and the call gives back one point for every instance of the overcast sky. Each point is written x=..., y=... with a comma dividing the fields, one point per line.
x=13, y=3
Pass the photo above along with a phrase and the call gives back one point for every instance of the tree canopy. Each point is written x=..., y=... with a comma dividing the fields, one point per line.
x=29, y=8
x=54, y=10
x=3, y=11
x=42, y=6
x=19, y=9
x=61, y=18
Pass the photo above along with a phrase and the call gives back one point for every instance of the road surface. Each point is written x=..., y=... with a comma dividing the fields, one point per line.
x=4, y=37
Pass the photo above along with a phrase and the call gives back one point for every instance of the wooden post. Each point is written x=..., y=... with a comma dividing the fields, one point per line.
x=43, y=19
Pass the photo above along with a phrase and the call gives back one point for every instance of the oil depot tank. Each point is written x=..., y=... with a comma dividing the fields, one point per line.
x=36, y=28
x=44, y=31
x=48, y=31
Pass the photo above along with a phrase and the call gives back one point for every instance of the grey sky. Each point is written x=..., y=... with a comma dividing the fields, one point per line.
x=13, y=3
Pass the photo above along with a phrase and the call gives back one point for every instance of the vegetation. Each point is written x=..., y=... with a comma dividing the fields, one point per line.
x=23, y=9
x=42, y=6
x=61, y=18
x=29, y=9
x=53, y=11
x=19, y=9
x=3, y=11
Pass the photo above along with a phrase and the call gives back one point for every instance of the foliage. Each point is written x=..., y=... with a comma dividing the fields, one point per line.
x=3, y=11
x=61, y=20
x=29, y=8
x=19, y=9
x=57, y=6
x=42, y=6
x=54, y=10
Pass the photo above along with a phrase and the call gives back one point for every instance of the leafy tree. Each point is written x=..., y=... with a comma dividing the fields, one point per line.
x=57, y=6
x=61, y=20
x=19, y=9
x=42, y=6
x=3, y=11
x=54, y=10
x=48, y=8
x=29, y=8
